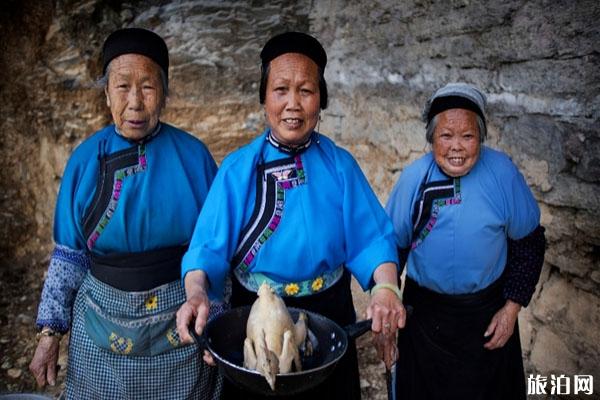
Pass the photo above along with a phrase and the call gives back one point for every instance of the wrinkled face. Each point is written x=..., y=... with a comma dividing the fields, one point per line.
x=134, y=94
x=456, y=141
x=292, y=97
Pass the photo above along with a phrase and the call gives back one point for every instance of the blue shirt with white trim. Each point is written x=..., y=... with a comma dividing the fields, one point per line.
x=461, y=246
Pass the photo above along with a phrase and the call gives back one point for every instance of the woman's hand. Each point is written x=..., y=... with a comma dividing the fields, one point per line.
x=196, y=306
x=388, y=314
x=502, y=325
x=45, y=360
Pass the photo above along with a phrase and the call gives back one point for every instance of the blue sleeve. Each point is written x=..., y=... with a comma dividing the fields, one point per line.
x=368, y=230
x=68, y=230
x=209, y=168
x=69, y=261
x=217, y=229
x=65, y=275
x=400, y=206
x=523, y=212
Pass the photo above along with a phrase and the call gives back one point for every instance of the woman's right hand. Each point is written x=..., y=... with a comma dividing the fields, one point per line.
x=198, y=307
x=45, y=360
x=194, y=307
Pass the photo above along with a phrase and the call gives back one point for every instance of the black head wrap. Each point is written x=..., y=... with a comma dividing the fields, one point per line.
x=455, y=95
x=294, y=42
x=137, y=41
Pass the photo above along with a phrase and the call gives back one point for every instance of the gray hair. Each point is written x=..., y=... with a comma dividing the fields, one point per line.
x=430, y=128
x=102, y=82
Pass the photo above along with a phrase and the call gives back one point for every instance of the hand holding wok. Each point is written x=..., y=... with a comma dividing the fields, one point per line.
x=387, y=312
x=195, y=307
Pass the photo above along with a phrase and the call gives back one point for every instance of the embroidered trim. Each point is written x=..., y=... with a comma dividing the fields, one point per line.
x=273, y=179
x=118, y=177
x=433, y=198
x=77, y=257
x=252, y=282
x=268, y=231
x=120, y=344
x=164, y=316
x=57, y=325
x=290, y=175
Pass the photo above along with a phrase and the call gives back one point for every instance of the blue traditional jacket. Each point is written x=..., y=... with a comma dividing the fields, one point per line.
x=157, y=190
x=290, y=219
x=458, y=234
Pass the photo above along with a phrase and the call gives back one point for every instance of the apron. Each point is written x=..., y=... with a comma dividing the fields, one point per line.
x=124, y=343
x=441, y=349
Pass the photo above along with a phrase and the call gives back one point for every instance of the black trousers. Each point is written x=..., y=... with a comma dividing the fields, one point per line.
x=334, y=303
x=441, y=349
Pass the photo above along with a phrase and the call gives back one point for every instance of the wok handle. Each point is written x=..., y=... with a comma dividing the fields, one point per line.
x=200, y=339
x=359, y=328
x=390, y=380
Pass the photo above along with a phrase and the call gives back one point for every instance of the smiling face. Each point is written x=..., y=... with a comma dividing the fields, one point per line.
x=134, y=94
x=456, y=142
x=292, y=98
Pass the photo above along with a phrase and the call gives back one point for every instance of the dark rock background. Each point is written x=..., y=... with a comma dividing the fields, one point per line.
x=538, y=60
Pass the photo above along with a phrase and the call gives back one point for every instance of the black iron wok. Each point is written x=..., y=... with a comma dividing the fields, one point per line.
x=224, y=337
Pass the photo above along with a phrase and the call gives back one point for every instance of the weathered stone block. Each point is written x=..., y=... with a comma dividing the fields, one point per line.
x=551, y=355
x=588, y=168
x=568, y=191
x=537, y=137
x=552, y=305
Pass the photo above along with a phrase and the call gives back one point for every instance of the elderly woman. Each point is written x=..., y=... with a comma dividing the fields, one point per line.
x=294, y=210
x=470, y=227
x=125, y=213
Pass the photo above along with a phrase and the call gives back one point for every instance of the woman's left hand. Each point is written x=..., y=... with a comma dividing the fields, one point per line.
x=502, y=325
x=388, y=314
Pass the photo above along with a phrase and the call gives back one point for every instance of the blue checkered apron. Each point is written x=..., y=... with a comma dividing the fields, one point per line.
x=100, y=373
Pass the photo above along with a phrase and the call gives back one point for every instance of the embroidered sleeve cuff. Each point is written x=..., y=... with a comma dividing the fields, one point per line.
x=65, y=274
x=524, y=265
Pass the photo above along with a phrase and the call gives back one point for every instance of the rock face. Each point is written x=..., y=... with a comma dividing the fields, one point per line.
x=539, y=61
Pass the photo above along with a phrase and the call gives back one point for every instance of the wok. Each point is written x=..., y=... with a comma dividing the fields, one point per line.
x=224, y=337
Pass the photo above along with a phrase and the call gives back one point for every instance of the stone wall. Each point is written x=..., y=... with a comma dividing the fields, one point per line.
x=539, y=61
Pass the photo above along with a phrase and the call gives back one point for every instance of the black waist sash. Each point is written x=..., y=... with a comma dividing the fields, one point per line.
x=428, y=300
x=137, y=272
x=441, y=349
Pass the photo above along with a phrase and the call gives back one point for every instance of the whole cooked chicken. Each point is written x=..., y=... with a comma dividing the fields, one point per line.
x=272, y=338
